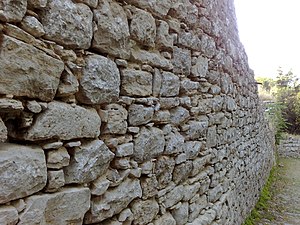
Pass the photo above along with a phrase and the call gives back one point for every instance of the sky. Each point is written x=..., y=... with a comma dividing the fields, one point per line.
x=270, y=33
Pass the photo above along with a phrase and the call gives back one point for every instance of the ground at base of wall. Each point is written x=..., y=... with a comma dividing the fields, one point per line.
x=284, y=207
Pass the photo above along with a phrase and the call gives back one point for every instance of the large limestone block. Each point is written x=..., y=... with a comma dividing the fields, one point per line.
x=61, y=208
x=112, y=31
x=68, y=24
x=22, y=171
x=113, y=201
x=88, y=162
x=12, y=11
x=100, y=81
x=149, y=143
x=28, y=71
x=65, y=122
x=8, y=215
x=143, y=28
x=3, y=131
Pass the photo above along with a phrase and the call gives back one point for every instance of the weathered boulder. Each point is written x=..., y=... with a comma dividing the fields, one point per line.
x=22, y=171
x=136, y=83
x=8, y=215
x=68, y=23
x=88, y=162
x=144, y=211
x=100, y=81
x=143, y=28
x=12, y=11
x=3, y=131
x=149, y=143
x=113, y=201
x=112, y=31
x=28, y=71
x=65, y=207
x=65, y=122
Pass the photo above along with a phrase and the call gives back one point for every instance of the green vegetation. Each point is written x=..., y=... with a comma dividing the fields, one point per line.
x=263, y=201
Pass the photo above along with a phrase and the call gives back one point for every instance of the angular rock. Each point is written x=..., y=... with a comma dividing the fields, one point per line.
x=200, y=69
x=182, y=171
x=32, y=26
x=149, y=143
x=3, y=131
x=170, y=85
x=55, y=180
x=189, y=88
x=113, y=201
x=124, y=150
x=151, y=58
x=8, y=215
x=181, y=61
x=22, y=171
x=65, y=122
x=212, y=137
x=100, y=81
x=143, y=28
x=136, y=83
x=90, y=3
x=149, y=186
x=28, y=71
x=163, y=170
x=181, y=215
x=163, y=39
x=53, y=145
x=111, y=35
x=162, y=116
x=68, y=23
x=179, y=115
x=189, y=40
x=173, y=197
x=139, y=114
x=196, y=129
x=157, y=7
x=99, y=186
x=144, y=211
x=165, y=219
x=68, y=84
x=10, y=106
x=64, y=208
x=57, y=159
x=192, y=149
x=88, y=162
x=12, y=11
x=174, y=143
x=115, y=118
x=37, y=3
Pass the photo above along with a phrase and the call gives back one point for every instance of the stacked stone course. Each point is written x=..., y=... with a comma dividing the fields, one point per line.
x=127, y=112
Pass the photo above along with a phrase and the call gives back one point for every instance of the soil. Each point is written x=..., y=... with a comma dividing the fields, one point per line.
x=284, y=207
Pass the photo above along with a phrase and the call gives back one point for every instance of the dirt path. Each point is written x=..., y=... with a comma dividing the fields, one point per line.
x=284, y=207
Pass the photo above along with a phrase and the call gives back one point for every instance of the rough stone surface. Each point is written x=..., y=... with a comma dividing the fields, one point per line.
x=88, y=162
x=63, y=121
x=8, y=215
x=100, y=81
x=55, y=181
x=113, y=201
x=170, y=85
x=33, y=26
x=22, y=169
x=3, y=131
x=64, y=207
x=182, y=61
x=136, y=83
x=139, y=115
x=149, y=143
x=33, y=73
x=74, y=19
x=115, y=118
x=143, y=28
x=57, y=159
x=12, y=11
x=112, y=31
x=144, y=211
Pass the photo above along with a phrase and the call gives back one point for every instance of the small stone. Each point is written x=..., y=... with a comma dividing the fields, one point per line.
x=192, y=149
x=53, y=145
x=125, y=215
x=100, y=185
x=32, y=26
x=57, y=159
x=68, y=84
x=181, y=215
x=170, y=85
x=165, y=219
x=55, y=180
x=144, y=211
x=163, y=39
x=111, y=35
x=161, y=117
x=100, y=81
x=136, y=83
x=181, y=61
x=73, y=144
x=188, y=87
x=81, y=169
x=19, y=205
x=124, y=150
x=75, y=20
x=26, y=166
x=139, y=115
x=8, y=215
x=149, y=186
x=134, y=130
x=11, y=11
x=122, y=62
x=143, y=28
x=179, y=115
x=33, y=106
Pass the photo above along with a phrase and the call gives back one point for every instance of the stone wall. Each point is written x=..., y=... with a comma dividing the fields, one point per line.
x=289, y=147
x=127, y=112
